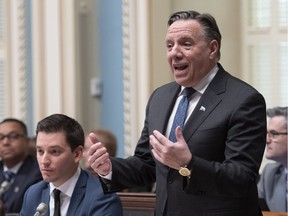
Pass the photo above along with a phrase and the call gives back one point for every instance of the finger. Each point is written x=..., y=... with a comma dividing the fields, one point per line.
x=160, y=137
x=93, y=138
x=156, y=156
x=101, y=167
x=100, y=161
x=179, y=134
x=157, y=146
x=96, y=151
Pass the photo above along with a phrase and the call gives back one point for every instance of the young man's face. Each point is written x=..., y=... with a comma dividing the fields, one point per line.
x=56, y=160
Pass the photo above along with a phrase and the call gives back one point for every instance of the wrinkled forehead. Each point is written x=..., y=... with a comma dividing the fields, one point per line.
x=184, y=25
x=184, y=28
x=277, y=123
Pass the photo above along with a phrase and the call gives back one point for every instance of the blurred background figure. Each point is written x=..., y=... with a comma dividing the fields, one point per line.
x=17, y=167
x=273, y=183
x=32, y=146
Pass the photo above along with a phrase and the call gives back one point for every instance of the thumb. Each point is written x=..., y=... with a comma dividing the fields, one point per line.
x=179, y=134
x=93, y=138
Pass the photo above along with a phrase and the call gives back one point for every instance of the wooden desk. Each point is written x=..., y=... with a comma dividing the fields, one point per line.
x=266, y=213
x=143, y=204
x=138, y=204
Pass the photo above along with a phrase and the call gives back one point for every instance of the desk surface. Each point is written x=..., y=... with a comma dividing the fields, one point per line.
x=265, y=213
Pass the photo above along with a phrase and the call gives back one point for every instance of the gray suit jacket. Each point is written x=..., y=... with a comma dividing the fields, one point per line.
x=272, y=187
x=227, y=141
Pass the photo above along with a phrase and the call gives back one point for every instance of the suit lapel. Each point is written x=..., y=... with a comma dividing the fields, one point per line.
x=46, y=197
x=207, y=103
x=78, y=194
x=279, y=181
x=163, y=107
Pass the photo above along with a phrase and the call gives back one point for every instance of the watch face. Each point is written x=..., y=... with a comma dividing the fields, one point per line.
x=184, y=171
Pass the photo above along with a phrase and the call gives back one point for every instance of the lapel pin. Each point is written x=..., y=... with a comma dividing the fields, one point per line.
x=202, y=108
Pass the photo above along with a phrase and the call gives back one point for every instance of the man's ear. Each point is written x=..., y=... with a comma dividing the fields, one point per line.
x=78, y=152
x=214, y=47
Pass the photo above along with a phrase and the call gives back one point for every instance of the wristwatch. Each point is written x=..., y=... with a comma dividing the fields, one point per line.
x=184, y=171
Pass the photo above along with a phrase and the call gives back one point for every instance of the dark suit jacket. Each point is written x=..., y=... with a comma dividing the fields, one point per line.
x=88, y=198
x=27, y=175
x=272, y=187
x=227, y=141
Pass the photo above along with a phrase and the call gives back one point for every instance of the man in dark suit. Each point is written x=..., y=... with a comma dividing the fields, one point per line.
x=59, y=145
x=210, y=165
x=272, y=186
x=23, y=168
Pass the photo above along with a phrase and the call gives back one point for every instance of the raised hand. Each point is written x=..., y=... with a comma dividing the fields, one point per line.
x=98, y=157
x=174, y=155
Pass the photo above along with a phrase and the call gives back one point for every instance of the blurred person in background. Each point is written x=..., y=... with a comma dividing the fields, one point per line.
x=16, y=167
x=273, y=183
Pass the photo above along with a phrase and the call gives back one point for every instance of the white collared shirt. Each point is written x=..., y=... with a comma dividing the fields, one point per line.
x=200, y=88
x=66, y=193
x=14, y=169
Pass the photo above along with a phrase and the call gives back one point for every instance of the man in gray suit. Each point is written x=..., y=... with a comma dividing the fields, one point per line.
x=208, y=164
x=272, y=185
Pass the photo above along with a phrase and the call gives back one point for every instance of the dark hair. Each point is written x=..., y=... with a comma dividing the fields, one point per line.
x=207, y=21
x=21, y=123
x=61, y=123
x=278, y=111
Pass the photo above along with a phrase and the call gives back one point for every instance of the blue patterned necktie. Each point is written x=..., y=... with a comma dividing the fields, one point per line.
x=180, y=115
x=9, y=175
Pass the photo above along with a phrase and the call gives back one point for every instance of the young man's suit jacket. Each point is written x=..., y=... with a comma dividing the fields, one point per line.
x=273, y=187
x=27, y=175
x=87, y=199
x=226, y=134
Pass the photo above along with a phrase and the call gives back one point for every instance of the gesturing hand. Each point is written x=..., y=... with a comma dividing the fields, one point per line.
x=171, y=154
x=98, y=156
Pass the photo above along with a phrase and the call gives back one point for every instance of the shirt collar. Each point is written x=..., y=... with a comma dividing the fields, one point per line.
x=67, y=187
x=204, y=82
x=14, y=169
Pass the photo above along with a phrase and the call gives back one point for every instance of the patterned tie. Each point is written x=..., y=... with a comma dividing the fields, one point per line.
x=9, y=175
x=56, y=193
x=180, y=115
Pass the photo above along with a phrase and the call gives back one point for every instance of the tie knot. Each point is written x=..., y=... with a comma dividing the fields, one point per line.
x=56, y=193
x=188, y=92
x=9, y=175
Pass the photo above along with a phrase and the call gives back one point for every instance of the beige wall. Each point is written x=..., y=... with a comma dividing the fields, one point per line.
x=86, y=33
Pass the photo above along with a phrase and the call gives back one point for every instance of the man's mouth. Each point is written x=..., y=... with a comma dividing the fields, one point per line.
x=180, y=67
